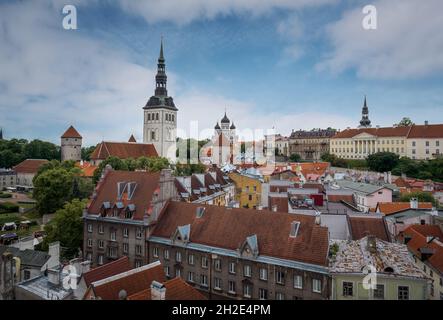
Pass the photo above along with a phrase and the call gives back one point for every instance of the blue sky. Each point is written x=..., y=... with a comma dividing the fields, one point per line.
x=288, y=64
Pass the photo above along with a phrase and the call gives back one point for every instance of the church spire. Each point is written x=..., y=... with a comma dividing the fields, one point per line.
x=161, y=78
x=1, y=133
x=365, y=122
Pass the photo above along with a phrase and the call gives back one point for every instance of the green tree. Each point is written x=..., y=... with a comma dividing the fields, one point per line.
x=405, y=122
x=86, y=152
x=189, y=169
x=116, y=164
x=382, y=161
x=420, y=196
x=295, y=157
x=66, y=227
x=52, y=189
x=38, y=149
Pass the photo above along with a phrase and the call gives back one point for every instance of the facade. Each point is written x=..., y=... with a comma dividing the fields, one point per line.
x=7, y=279
x=425, y=243
x=242, y=253
x=223, y=146
x=8, y=178
x=160, y=115
x=122, y=150
x=366, y=196
x=310, y=145
x=26, y=171
x=71, y=145
x=396, y=277
x=249, y=189
x=416, y=142
x=282, y=145
x=119, y=218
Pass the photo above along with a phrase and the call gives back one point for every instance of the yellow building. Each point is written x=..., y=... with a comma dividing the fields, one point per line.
x=248, y=189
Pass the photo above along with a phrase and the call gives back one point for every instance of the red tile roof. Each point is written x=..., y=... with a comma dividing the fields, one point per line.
x=388, y=208
x=418, y=235
x=131, y=281
x=107, y=270
x=426, y=131
x=29, y=166
x=361, y=227
x=228, y=228
x=176, y=289
x=147, y=184
x=123, y=150
x=71, y=133
x=379, y=132
x=87, y=169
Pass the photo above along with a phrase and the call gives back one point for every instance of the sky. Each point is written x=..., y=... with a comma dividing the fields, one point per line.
x=283, y=64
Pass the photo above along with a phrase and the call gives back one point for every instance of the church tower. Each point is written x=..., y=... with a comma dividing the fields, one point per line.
x=160, y=115
x=365, y=122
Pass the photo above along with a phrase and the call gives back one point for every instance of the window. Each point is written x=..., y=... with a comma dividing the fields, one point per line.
x=232, y=267
x=166, y=254
x=204, y=280
x=263, y=274
x=138, y=263
x=280, y=277
x=279, y=296
x=112, y=252
x=263, y=294
x=100, y=259
x=167, y=271
x=89, y=228
x=413, y=151
x=316, y=285
x=427, y=151
x=348, y=289
x=113, y=235
x=427, y=143
x=191, y=259
x=379, y=292
x=247, y=271
x=191, y=276
x=437, y=143
x=204, y=262
x=178, y=273
x=155, y=252
x=217, y=264
x=247, y=291
x=156, y=116
x=403, y=293
x=431, y=273
x=138, y=249
x=250, y=197
x=27, y=274
x=101, y=230
x=153, y=135
x=413, y=143
x=217, y=284
x=101, y=244
x=125, y=232
x=139, y=233
x=231, y=287
x=298, y=281
x=178, y=256
x=90, y=243
x=125, y=247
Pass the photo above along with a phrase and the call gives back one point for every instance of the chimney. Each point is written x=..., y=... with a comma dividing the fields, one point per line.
x=372, y=243
x=426, y=122
x=85, y=266
x=54, y=277
x=158, y=291
x=295, y=226
x=413, y=203
x=122, y=294
x=54, y=252
x=274, y=208
x=199, y=211
x=434, y=212
x=318, y=218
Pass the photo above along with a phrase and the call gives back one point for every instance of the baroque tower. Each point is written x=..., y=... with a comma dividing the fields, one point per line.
x=160, y=115
x=365, y=122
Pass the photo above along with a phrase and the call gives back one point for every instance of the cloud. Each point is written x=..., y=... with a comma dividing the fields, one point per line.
x=51, y=78
x=408, y=42
x=182, y=12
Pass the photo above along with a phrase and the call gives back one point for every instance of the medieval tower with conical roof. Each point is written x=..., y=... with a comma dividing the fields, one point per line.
x=160, y=115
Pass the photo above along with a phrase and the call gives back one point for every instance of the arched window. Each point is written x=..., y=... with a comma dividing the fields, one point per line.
x=152, y=135
x=156, y=116
x=149, y=117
